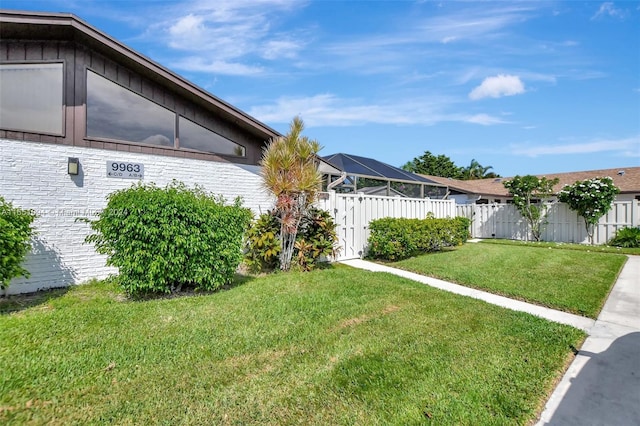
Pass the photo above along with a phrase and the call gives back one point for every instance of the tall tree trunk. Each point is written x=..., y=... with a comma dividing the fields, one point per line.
x=289, y=229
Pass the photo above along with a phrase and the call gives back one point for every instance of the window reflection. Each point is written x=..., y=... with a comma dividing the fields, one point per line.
x=194, y=136
x=31, y=97
x=114, y=112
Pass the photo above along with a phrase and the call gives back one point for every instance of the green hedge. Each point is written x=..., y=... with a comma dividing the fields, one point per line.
x=15, y=234
x=162, y=240
x=399, y=238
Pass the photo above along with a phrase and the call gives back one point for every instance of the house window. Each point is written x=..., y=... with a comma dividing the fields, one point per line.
x=31, y=98
x=114, y=112
x=194, y=136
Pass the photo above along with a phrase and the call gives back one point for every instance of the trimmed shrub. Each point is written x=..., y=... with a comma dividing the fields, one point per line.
x=399, y=238
x=627, y=238
x=15, y=234
x=162, y=240
x=315, y=241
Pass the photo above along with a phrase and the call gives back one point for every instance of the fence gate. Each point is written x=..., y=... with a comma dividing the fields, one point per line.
x=353, y=213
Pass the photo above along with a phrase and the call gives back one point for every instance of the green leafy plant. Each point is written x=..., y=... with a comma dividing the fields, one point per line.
x=399, y=238
x=590, y=199
x=15, y=233
x=262, y=245
x=164, y=239
x=627, y=238
x=316, y=240
x=530, y=196
x=290, y=172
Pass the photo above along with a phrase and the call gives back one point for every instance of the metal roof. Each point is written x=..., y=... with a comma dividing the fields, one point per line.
x=368, y=167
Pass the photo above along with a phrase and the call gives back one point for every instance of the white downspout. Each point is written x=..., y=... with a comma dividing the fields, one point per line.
x=337, y=182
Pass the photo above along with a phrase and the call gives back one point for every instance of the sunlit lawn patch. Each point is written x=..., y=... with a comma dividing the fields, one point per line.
x=336, y=346
x=568, y=280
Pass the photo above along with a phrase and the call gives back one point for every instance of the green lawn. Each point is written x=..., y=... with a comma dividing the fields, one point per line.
x=336, y=346
x=569, y=280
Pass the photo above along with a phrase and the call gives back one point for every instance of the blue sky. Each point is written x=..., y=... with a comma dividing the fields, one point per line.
x=525, y=87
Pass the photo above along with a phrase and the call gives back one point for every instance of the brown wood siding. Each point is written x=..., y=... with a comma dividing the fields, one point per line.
x=77, y=59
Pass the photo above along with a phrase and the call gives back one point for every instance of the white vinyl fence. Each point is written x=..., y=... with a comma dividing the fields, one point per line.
x=563, y=224
x=353, y=212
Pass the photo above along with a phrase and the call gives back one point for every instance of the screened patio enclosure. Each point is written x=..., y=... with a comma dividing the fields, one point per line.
x=346, y=173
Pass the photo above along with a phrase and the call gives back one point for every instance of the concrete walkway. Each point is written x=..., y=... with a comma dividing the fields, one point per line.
x=602, y=384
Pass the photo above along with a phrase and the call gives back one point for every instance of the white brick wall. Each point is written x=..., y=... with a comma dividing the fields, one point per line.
x=34, y=176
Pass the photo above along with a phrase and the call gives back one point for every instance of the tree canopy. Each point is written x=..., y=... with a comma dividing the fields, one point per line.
x=429, y=164
x=443, y=166
x=475, y=170
x=530, y=195
x=591, y=199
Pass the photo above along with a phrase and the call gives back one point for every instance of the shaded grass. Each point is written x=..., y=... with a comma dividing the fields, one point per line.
x=17, y=303
x=572, y=281
x=566, y=246
x=336, y=346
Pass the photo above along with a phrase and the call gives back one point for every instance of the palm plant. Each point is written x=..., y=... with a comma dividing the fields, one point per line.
x=475, y=170
x=290, y=172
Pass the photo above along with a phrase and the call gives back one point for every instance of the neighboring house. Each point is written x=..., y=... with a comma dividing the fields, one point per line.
x=83, y=115
x=487, y=191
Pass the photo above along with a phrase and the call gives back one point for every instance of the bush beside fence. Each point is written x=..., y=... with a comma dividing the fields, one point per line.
x=399, y=238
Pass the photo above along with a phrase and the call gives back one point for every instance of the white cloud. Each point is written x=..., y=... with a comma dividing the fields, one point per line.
x=330, y=110
x=498, y=86
x=475, y=22
x=188, y=26
x=275, y=49
x=629, y=147
x=485, y=120
x=608, y=9
x=227, y=35
x=198, y=64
